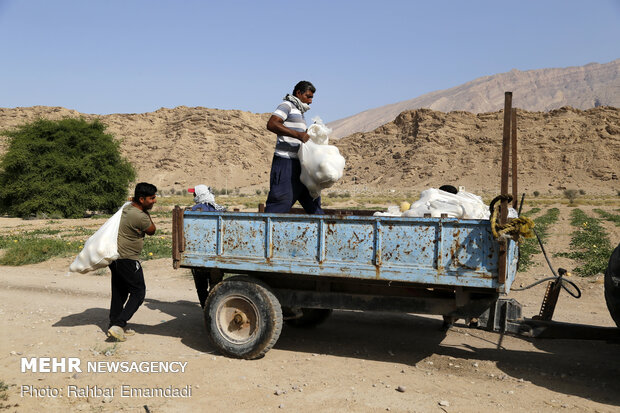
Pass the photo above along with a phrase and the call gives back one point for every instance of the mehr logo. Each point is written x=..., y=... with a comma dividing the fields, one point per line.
x=51, y=365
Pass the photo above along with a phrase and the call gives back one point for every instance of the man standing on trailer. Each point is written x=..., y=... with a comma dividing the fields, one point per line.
x=289, y=124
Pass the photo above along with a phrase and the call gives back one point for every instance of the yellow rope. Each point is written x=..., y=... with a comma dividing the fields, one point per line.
x=515, y=228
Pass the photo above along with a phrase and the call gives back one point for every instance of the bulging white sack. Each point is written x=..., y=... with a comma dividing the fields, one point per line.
x=435, y=202
x=321, y=164
x=460, y=205
x=101, y=248
x=318, y=132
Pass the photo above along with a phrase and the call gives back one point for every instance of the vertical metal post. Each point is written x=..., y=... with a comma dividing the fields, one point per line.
x=178, y=237
x=513, y=155
x=377, y=241
x=321, y=237
x=504, y=183
x=176, y=254
x=219, y=249
x=506, y=154
x=268, y=239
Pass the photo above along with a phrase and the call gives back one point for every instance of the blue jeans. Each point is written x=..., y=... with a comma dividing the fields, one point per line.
x=285, y=188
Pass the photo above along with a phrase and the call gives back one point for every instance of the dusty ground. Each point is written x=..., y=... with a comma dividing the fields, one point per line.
x=353, y=362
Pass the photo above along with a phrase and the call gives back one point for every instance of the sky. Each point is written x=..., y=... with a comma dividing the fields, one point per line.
x=135, y=56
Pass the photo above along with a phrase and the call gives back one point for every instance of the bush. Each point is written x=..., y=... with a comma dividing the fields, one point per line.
x=259, y=191
x=62, y=168
x=571, y=195
x=536, y=193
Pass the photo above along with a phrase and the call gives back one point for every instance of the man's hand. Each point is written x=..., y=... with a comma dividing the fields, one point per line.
x=150, y=230
x=303, y=136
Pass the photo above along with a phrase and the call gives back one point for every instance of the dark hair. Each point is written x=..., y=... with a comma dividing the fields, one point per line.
x=143, y=190
x=449, y=188
x=303, y=87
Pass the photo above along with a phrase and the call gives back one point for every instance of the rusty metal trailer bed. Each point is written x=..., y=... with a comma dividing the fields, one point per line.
x=310, y=264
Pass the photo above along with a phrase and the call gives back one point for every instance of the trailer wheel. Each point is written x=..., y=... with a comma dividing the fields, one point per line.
x=310, y=317
x=612, y=285
x=243, y=317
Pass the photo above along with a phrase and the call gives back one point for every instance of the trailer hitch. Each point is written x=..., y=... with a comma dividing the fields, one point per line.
x=505, y=317
x=550, y=299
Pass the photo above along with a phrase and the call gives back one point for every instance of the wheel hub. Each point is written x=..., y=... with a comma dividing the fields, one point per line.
x=237, y=319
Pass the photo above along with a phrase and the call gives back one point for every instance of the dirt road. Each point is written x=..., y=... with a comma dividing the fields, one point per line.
x=366, y=362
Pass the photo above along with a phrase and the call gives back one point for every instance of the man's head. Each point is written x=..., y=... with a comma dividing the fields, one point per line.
x=144, y=195
x=449, y=188
x=202, y=194
x=304, y=91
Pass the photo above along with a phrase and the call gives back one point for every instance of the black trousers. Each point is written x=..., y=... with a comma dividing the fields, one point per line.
x=127, y=281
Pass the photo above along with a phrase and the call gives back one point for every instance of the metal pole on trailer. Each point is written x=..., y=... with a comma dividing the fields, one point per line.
x=513, y=154
x=504, y=183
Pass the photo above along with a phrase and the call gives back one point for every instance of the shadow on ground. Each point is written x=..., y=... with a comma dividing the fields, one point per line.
x=588, y=369
x=186, y=323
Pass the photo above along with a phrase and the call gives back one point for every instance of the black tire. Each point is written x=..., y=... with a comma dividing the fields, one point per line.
x=612, y=285
x=243, y=317
x=311, y=317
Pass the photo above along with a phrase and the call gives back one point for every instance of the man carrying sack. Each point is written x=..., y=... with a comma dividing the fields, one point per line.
x=127, y=276
x=289, y=124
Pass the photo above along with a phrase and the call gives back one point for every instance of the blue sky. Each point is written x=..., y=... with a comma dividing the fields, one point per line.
x=136, y=56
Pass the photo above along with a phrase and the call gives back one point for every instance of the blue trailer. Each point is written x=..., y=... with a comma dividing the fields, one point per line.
x=254, y=271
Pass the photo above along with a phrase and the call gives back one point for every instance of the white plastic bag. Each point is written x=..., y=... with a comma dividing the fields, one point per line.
x=321, y=164
x=318, y=132
x=436, y=202
x=101, y=248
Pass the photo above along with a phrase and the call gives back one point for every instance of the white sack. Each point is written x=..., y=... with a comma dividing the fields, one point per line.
x=460, y=205
x=321, y=164
x=392, y=211
x=318, y=132
x=101, y=248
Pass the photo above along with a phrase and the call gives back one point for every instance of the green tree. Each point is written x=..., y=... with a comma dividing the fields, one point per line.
x=571, y=195
x=63, y=167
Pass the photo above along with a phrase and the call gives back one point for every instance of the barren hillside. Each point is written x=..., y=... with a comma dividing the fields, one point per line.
x=564, y=148
x=581, y=87
x=181, y=147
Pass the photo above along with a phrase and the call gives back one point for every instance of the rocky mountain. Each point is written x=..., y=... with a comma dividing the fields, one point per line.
x=581, y=87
